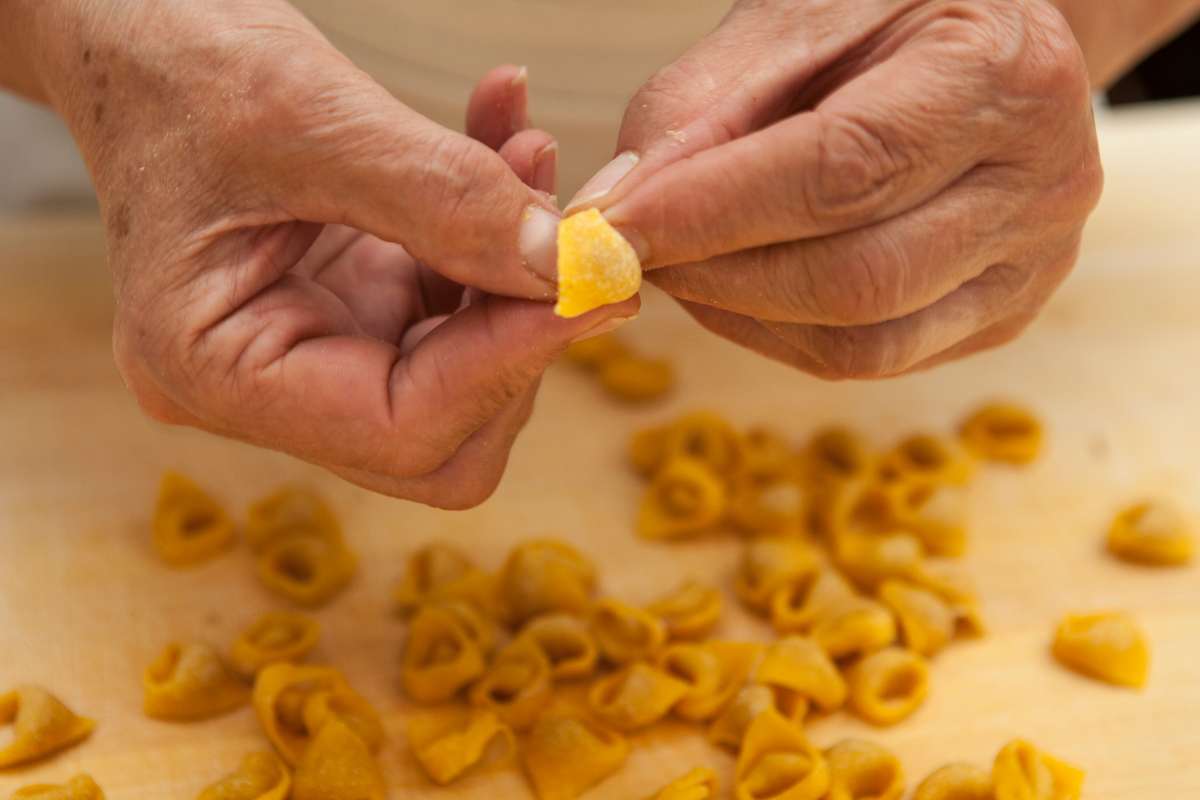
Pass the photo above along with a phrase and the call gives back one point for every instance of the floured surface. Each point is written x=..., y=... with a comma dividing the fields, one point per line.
x=1112, y=367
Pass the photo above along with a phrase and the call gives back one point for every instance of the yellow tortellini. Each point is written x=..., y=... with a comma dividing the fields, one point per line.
x=542, y=576
x=637, y=379
x=441, y=573
x=839, y=619
x=274, y=637
x=1154, y=532
x=956, y=782
x=699, y=784
x=1002, y=432
x=689, y=611
x=685, y=498
x=41, y=725
x=306, y=568
x=634, y=697
x=927, y=457
x=517, y=684
x=190, y=682
x=771, y=507
x=566, y=642
x=887, y=686
x=596, y=351
x=290, y=511
x=948, y=580
x=1108, y=646
x=260, y=776
x=927, y=623
x=862, y=770
x=714, y=671
x=80, y=787
x=648, y=449
x=708, y=438
x=837, y=455
x=1022, y=772
x=189, y=525
x=795, y=665
x=767, y=455
x=777, y=762
x=337, y=764
x=441, y=656
x=770, y=564
x=729, y=728
x=293, y=702
x=452, y=741
x=869, y=559
x=565, y=756
x=625, y=633
x=937, y=515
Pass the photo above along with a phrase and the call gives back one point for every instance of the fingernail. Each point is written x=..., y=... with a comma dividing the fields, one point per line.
x=605, y=180
x=545, y=169
x=519, y=85
x=538, y=242
x=608, y=326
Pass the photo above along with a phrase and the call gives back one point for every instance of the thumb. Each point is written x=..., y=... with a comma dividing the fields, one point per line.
x=364, y=159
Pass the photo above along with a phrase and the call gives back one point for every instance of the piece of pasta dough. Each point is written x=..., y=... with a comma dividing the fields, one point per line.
x=307, y=569
x=1022, y=772
x=275, y=636
x=862, y=770
x=1154, y=532
x=777, y=762
x=291, y=700
x=190, y=682
x=441, y=656
x=516, y=685
x=698, y=784
x=730, y=726
x=927, y=622
x=596, y=265
x=1107, y=646
x=79, y=787
x=685, y=498
x=441, y=572
x=189, y=525
x=636, y=379
x=337, y=765
x=624, y=632
x=566, y=755
x=542, y=576
x=41, y=725
x=689, y=611
x=798, y=665
x=1003, y=432
x=714, y=671
x=260, y=776
x=566, y=642
x=956, y=782
x=772, y=563
x=453, y=741
x=888, y=686
x=290, y=511
x=635, y=697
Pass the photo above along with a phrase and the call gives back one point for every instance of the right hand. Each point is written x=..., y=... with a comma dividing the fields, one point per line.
x=291, y=245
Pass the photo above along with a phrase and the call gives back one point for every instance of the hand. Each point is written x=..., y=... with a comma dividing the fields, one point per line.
x=862, y=188
x=290, y=246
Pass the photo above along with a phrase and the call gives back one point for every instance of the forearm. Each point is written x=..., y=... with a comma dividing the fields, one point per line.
x=1115, y=34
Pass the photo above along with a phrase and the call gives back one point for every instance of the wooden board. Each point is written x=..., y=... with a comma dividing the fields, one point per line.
x=1112, y=366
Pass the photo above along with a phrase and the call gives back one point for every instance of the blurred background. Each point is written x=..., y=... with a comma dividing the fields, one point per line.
x=585, y=60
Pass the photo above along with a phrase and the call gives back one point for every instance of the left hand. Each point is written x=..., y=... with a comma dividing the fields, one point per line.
x=862, y=188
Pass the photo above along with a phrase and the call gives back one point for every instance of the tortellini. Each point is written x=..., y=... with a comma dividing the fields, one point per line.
x=566, y=642
x=1154, y=532
x=41, y=725
x=699, y=784
x=566, y=755
x=772, y=563
x=274, y=637
x=928, y=458
x=685, y=498
x=869, y=559
x=937, y=516
x=441, y=572
x=260, y=776
x=625, y=633
x=636, y=379
x=1108, y=646
x=335, y=765
x=647, y=450
x=189, y=525
x=596, y=265
x=542, y=576
x=729, y=728
x=306, y=568
x=767, y=456
x=1002, y=432
x=290, y=511
x=713, y=671
x=454, y=740
x=292, y=702
x=837, y=455
x=771, y=507
x=708, y=438
x=862, y=770
x=1022, y=772
x=441, y=656
x=888, y=686
x=596, y=351
x=517, y=684
x=956, y=782
x=798, y=666
x=190, y=682
x=777, y=762
x=927, y=623
x=689, y=611
x=80, y=787
x=634, y=697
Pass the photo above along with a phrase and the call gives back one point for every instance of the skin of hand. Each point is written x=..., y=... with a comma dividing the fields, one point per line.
x=291, y=245
x=861, y=189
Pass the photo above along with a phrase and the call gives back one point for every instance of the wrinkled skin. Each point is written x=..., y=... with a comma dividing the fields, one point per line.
x=291, y=245
x=863, y=189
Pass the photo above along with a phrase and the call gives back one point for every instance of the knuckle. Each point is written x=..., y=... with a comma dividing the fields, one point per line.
x=865, y=284
x=854, y=353
x=858, y=171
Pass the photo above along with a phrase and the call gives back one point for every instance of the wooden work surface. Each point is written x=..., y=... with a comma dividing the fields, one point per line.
x=1112, y=366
